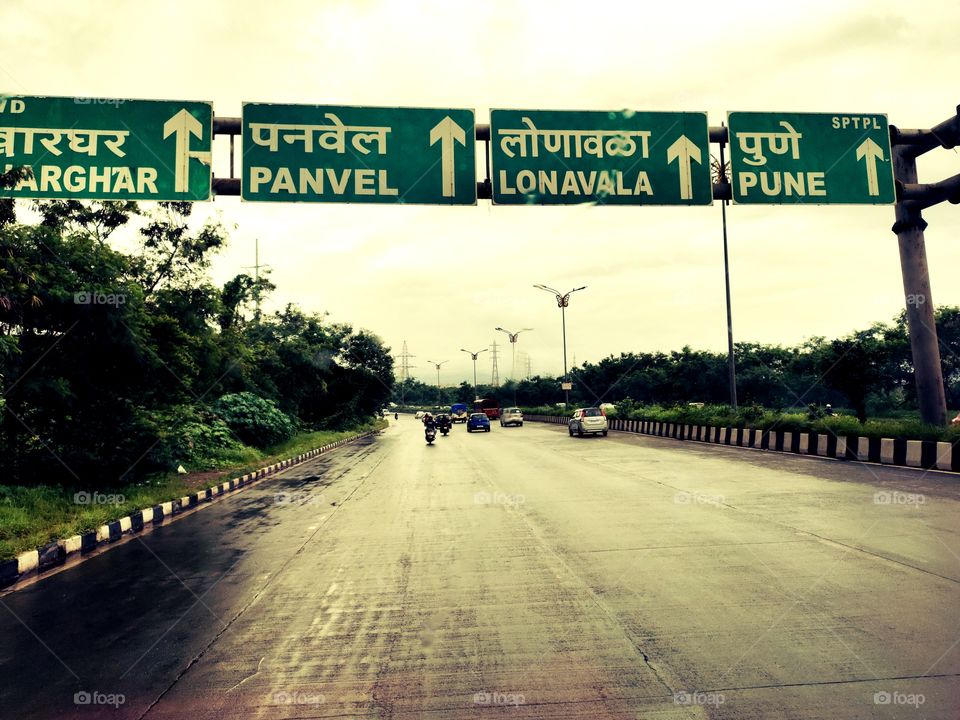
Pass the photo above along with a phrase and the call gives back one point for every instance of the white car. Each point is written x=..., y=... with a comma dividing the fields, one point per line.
x=419, y=415
x=511, y=416
x=587, y=420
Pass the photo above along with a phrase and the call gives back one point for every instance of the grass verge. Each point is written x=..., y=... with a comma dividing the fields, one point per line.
x=31, y=517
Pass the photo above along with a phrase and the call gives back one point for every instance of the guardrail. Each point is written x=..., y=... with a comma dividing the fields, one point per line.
x=929, y=454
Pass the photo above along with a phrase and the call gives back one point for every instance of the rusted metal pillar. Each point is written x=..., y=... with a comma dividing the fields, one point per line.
x=909, y=227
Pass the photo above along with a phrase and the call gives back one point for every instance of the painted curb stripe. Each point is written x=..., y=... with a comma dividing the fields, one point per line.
x=28, y=561
x=9, y=572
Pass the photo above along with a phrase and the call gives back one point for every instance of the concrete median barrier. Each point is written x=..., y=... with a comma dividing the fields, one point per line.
x=925, y=454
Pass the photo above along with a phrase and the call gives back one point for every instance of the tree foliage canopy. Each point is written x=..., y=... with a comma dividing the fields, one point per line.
x=115, y=365
x=869, y=371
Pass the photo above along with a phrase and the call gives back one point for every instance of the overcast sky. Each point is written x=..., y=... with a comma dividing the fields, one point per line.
x=444, y=278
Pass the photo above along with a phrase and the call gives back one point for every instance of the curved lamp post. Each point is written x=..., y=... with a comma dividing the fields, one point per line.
x=474, y=356
x=563, y=300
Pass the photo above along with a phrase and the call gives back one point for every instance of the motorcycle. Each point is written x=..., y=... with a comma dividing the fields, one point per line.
x=396, y=416
x=430, y=434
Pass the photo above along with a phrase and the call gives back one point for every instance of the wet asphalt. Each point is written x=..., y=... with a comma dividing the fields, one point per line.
x=516, y=573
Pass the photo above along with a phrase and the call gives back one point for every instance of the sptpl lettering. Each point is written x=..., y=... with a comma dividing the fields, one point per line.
x=865, y=122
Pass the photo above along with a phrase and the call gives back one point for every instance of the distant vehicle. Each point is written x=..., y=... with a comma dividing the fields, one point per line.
x=458, y=413
x=478, y=421
x=419, y=415
x=608, y=408
x=488, y=406
x=587, y=420
x=511, y=416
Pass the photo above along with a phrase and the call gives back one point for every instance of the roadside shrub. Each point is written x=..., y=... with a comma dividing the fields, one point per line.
x=196, y=439
x=254, y=420
x=752, y=413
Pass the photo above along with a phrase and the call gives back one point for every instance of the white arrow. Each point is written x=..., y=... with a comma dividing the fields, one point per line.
x=183, y=124
x=447, y=131
x=684, y=151
x=871, y=153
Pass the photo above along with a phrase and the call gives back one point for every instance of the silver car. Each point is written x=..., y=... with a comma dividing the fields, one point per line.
x=511, y=416
x=587, y=420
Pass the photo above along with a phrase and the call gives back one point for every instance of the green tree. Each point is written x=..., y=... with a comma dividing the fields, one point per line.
x=853, y=366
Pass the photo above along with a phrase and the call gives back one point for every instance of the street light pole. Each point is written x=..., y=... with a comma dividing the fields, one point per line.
x=474, y=356
x=438, y=364
x=513, y=352
x=563, y=300
x=563, y=321
x=731, y=363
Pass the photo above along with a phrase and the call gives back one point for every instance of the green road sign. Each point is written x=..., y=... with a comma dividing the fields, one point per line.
x=107, y=149
x=813, y=158
x=324, y=153
x=564, y=157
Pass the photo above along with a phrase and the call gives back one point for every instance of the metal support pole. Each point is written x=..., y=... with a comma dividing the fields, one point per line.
x=731, y=362
x=909, y=227
x=474, y=356
x=513, y=366
x=485, y=187
x=563, y=319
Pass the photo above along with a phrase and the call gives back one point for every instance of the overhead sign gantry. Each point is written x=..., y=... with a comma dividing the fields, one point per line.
x=108, y=149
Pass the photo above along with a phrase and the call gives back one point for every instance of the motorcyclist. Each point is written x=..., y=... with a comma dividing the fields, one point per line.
x=429, y=422
x=396, y=416
x=443, y=422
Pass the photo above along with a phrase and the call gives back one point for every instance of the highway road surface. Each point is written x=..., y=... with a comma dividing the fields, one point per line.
x=518, y=573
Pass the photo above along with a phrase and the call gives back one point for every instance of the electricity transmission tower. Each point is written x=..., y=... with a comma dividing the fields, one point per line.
x=256, y=276
x=495, y=379
x=405, y=365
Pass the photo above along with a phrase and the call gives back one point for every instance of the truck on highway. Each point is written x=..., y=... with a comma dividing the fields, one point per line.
x=458, y=413
x=488, y=406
